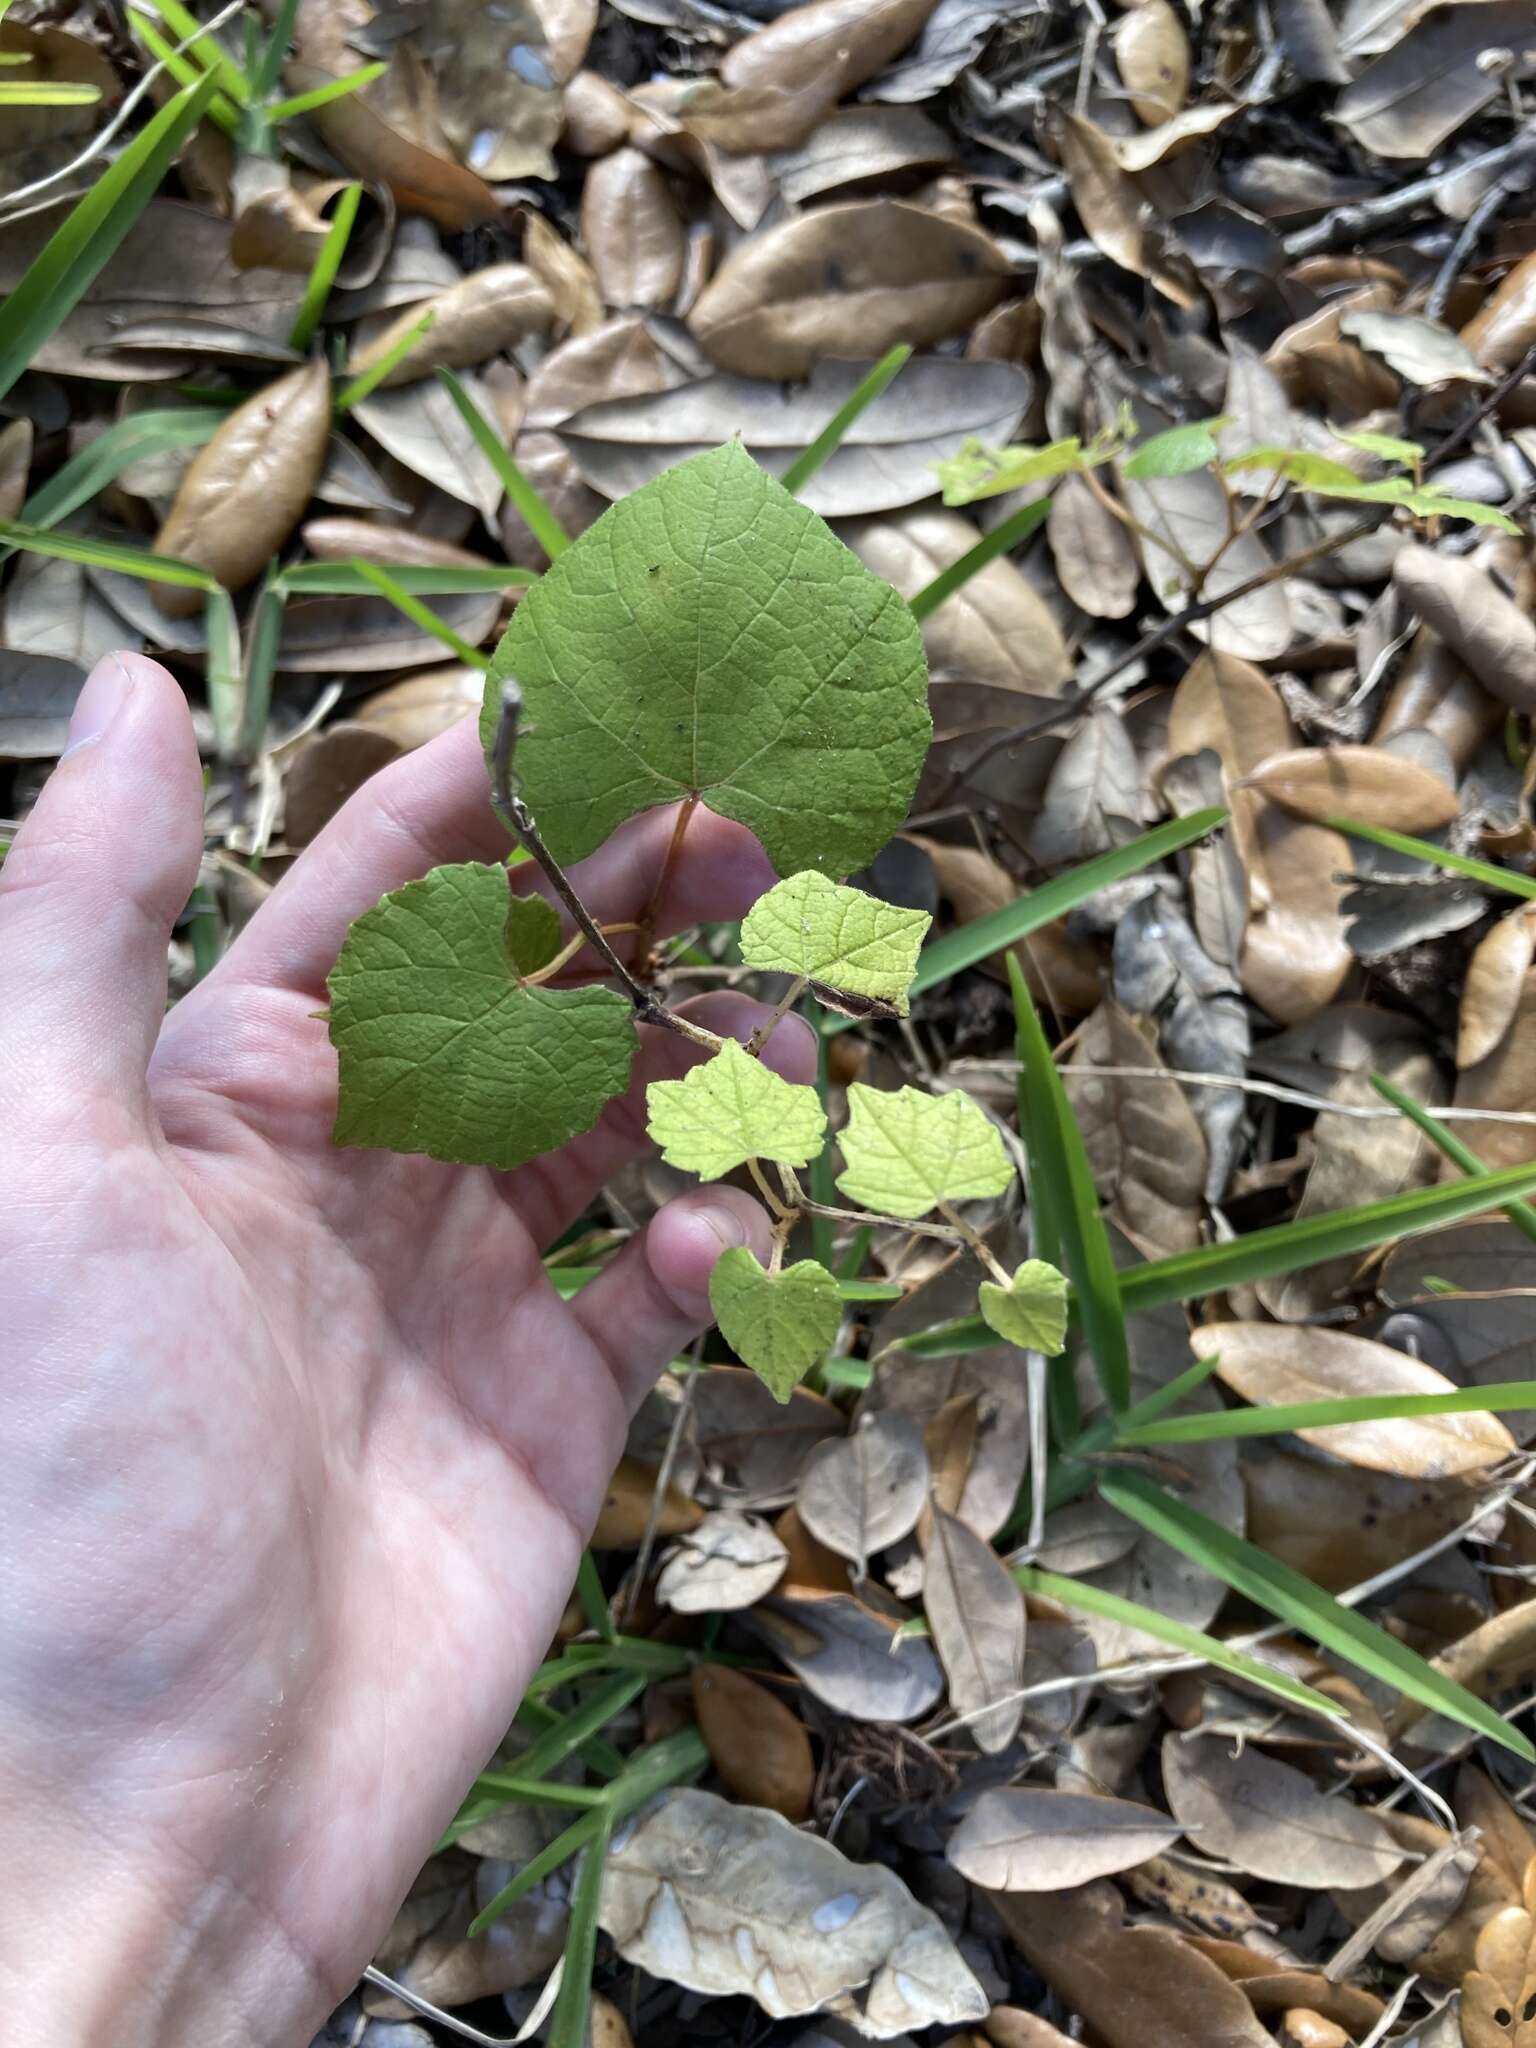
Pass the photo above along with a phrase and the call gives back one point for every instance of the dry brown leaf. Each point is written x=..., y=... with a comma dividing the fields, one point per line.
x=15, y=466
x=1276, y=1363
x=498, y=71
x=759, y=1747
x=1490, y=997
x=806, y=60
x=598, y=117
x=1295, y=959
x=325, y=771
x=1367, y=783
x=1434, y=694
x=282, y=227
x=1463, y=605
x=922, y=1387
x=606, y=2025
x=1270, y=1819
x=1488, y=1659
x=1271, y=1989
x=247, y=489
x=753, y=1447
x=1152, y=57
x=976, y=1614
x=422, y=706
x=626, y=1511
x=857, y=144
x=1326, y=1523
x=621, y=359
x=1057, y=968
x=1134, y=1986
x=1506, y=1838
x=732, y=1900
x=547, y=464
x=1144, y=1141
x=1184, y=521
x=1205, y=1902
x=1009, y=2026
x=1138, y=153
x=339, y=539
x=633, y=232
x=1094, y=554
x=1314, y=362
x=37, y=695
x=421, y=181
x=486, y=312
x=847, y=282
x=995, y=629
x=1498, y=1995
x=1447, y=1957
x=863, y=1492
x=1303, y=2028
x=1504, y=326
x=729, y=1561
x=811, y=1568
x=949, y=1438
x=566, y=276
x=1113, y=210
x=849, y=1655
x=1024, y=1838
x=1504, y=1078
x=1430, y=82
x=40, y=140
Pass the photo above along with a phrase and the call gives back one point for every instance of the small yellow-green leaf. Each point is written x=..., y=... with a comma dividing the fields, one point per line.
x=905, y=1152
x=1388, y=446
x=732, y=1109
x=852, y=942
x=778, y=1323
x=533, y=933
x=1032, y=1313
x=444, y=1050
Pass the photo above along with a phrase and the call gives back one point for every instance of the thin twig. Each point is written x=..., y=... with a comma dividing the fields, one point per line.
x=776, y=1016
x=1486, y=211
x=663, y=1480
x=1354, y=219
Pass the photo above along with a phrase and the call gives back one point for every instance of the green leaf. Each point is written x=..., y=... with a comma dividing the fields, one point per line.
x=709, y=637
x=1441, y=856
x=1058, y=1159
x=1387, y=446
x=444, y=1051
x=732, y=1109
x=531, y=933
x=1176, y=452
x=322, y=95
x=1300, y=1604
x=905, y=1151
x=568, y=2024
x=63, y=269
x=1090, y=1599
x=832, y=435
x=982, y=472
x=1032, y=1313
x=778, y=1323
x=851, y=942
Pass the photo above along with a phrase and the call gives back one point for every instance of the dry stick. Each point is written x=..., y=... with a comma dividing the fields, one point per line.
x=518, y=819
x=1358, y=217
x=647, y=925
x=776, y=1016
x=1486, y=211
x=663, y=1480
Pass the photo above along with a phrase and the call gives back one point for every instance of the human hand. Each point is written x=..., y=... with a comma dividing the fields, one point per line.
x=298, y=1447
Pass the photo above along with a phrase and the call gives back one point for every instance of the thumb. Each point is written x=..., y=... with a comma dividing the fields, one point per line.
x=89, y=892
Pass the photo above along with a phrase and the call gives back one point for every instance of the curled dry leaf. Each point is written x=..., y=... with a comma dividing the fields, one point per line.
x=598, y=117
x=248, y=487
x=863, y=1492
x=567, y=277
x=1113, y=210
x=419, y=708
x=1271, y=1820
x=1276, y=1363
x=1152, y=57
x=1367, y=783
x=1498, y=1994
x=729, y=1560
x=847, y=282
x=859, y=143
x=1133, y=1985
x=923, y=1387
x=886, y=459
x=733, y=1901
x=995, y=629
x=1505, y=1078
x=621, y=359
x=1023, y=1838
x=485, y=313
x=976, y=1613
x=850, y=1656
x=808, y=59
x=633, y=232
x=1504, y=326
x=340, y=539
x=421, y=181
x=1270, y=1988
x=1490, y=996
x=759, y=1747
x=1474, y=618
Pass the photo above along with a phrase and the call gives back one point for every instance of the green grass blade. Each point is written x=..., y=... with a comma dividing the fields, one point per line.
x=1092, y=1600
x=224, y=671
x=512, y=1790
x=594, y=1601
x=549, y=1751
x=1017, y=527
x=184, y=71
x=568, y=2024
x=1028, y=913
x=269, y=68
x=595, y=1753
x=1165, y=1397
x=105, y=554
x=64, y=268
x=1506, y=1396
x=1441, y=857
x=422, y=615
x=1521, y=1214
x=369, y=380
x=207, y=49
x=322, y=275
x=347, y=579
x=1063, y=1167
x=832, y=435
x=537, y=1868
x=17, y=92
x=536, y=515
x=322, y=95
x=1300, y=1604
x=102, y=461
x=264, y=632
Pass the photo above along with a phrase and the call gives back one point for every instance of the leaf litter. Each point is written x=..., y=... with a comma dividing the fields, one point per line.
x=1257, y=293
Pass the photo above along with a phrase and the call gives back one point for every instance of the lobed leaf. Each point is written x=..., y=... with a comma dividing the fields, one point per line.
x=854, y=943
x=1032, y=1313
x=778, y=1323
x=905, y=1151
x=732, y=1109
x=444, y=1050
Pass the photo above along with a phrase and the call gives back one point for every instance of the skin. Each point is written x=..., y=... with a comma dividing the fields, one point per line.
x=298, y=1448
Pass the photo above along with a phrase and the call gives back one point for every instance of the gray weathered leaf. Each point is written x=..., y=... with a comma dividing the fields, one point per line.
x=1430, y=82
x=1093, y=797
x=1024, y=1838
x=919, y=1387
x=730, y=1560
x=420, y=425
x=850, y=1657
x=37, y=694
x=862, y=1492
x=976, y=1613
x=752, y=1446
x=53, y=609
x=1188, y=514
x=1421, y=351
x=1270, y=1819
x=734, y=1901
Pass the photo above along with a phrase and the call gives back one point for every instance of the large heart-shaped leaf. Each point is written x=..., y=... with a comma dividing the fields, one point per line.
x=709, y=637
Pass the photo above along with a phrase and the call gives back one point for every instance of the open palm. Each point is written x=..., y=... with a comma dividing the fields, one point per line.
x=298, y=1447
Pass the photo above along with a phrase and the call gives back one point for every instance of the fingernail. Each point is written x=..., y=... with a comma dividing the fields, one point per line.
x=726, y=1225
x=107, y=689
